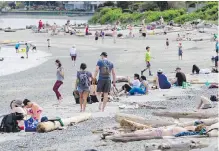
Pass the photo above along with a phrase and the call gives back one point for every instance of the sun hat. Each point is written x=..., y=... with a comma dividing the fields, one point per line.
x=160, y=71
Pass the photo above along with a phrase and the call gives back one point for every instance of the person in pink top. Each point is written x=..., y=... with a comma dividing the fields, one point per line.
x=40, y=25
x=33, y=109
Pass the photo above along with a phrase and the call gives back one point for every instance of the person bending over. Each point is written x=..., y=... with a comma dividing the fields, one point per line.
x=206, y=103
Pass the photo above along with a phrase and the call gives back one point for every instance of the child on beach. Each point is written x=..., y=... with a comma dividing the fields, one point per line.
x=102, y=35
x=73, y=54
x=33, y=109
x=59, y=81
x=93, y=91
x=17, y=46
x=180, y=52
x=167, y=43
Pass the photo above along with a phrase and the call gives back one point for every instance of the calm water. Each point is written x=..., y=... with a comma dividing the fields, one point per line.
x=21, y=22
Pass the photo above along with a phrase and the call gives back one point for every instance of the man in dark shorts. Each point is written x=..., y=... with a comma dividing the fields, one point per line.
x=180, y=77
x=104, y=67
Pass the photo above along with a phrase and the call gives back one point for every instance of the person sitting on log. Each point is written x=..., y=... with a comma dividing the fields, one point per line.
x=206, y=103
x=161, y=80
x=135, y=83
x=143, y=89
x=33, y=109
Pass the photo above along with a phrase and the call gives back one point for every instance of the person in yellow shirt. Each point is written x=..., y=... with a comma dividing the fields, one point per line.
x=147, y=60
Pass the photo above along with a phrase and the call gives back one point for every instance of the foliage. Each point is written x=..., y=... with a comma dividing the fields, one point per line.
x=108, y=3
x=110, y=15
x=123, y=4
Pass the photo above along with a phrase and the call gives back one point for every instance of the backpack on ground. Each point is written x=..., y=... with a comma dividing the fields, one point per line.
x=105, y=70
x=9, y=123
x=84, y=80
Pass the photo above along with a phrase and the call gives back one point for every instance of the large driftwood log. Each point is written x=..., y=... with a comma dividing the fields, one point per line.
x=176, y=146
x=50, y=126
x=131, y=139
x=141, y=120
x=207, y=122
x=214, y=130
x=185, y=115
x=133, y=125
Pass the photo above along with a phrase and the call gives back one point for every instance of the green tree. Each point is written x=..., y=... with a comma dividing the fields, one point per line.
x=123, y=4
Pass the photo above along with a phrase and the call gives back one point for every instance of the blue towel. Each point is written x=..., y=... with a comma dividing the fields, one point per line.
x=186, y=134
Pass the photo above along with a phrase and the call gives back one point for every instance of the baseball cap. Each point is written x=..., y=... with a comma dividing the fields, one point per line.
x=159, y=70
x=147, y=47
x=103, y=54
x=178, y=68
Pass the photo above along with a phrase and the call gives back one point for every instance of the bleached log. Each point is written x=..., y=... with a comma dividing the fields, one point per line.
x=176, y=146
x=178, y=115
x=133, y=125
x=50, y=126
x=207, y=122
x=141, y=120
x=131, y=139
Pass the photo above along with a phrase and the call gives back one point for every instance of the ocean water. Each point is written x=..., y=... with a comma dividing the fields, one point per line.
x=22, y=22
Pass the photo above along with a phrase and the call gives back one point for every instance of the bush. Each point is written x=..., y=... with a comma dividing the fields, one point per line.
x=110, y=15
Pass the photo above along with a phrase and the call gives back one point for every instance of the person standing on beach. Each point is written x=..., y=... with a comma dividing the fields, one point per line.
x=54, y=29
x=167, y=43
x=27, y=49
x=217, y=47
x=104, y=67
x=96, y=36
x=40, y=25
x=59, y=81
x=86, y=30
x=17, y=46
x=83, y=83
x=147, y=60
x=114, y=36
x=102, y=34
x=73, y=55
x=180, y=52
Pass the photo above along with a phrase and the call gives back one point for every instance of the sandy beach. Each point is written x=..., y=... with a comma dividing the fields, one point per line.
x=36, y=76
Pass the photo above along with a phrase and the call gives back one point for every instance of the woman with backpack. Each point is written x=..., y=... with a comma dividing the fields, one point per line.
x=83, y=84
x=59, y=81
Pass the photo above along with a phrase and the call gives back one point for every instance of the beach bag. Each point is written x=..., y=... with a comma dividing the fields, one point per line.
x=9, y=123
x=84, y=81
x=105, y=71
x=30, y=125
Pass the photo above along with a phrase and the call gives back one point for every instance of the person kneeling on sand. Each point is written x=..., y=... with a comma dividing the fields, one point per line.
x=83, y=84
x=135, y=83
x=206, y=103
x=33, y=109
x=161, y=80
x=143, y=89
x=195, y=69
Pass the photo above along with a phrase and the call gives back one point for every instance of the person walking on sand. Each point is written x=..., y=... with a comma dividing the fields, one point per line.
x=96, y=36
x=54, y=29
x=104, y=67
x=147, y=60
x=59, y=81
x=180, y=52
x=114, y=36
x=48, y=41
x=167, y=43
x=27, y=49
x=83, y=83
x=73, y=55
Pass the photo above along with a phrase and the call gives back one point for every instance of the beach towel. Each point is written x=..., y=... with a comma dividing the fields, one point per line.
x=186, y=134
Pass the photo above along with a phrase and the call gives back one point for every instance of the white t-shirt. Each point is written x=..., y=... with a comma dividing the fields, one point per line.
x=73, y=51
x=136, y=83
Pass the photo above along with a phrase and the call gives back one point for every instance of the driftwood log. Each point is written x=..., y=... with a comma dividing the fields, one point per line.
x=207, y=122
x=178, y=115
x=154, y=123
x=176, y=146
x=50, y=126
x=131, y=139
x=133, y=125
